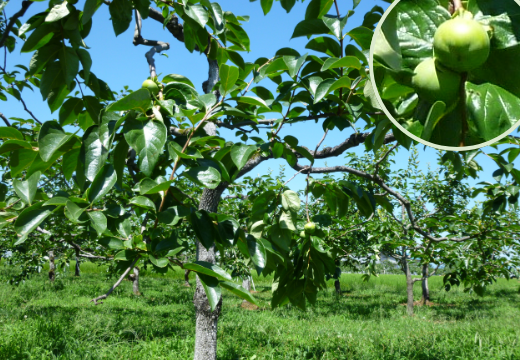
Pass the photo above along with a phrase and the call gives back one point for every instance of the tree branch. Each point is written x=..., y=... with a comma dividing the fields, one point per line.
x=118, y=282
x=12, y=21
x=7, y=123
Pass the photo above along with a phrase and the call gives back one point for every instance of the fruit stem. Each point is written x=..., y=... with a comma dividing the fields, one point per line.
x=464, y=113
x=457, y=4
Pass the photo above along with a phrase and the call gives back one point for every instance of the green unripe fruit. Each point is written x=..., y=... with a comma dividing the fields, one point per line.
x=151, y=86
x=461, y=44
x=435, y=83
x=310, y=228
x=302, y=234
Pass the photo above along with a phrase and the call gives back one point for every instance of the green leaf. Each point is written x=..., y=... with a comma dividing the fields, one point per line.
x=241, y=153
x=86, y=63
x=75, y=213
x=111, y=243
x=310, y=27
x=228, y=77
x=325, y=45
x=89, y=9
x=290, y=201
x=266, y=5
x=206, y=268
x=10, y=133
x=56, y=200
x=138, y=100
x=26, y=190
x=386, y=43
x=318, y=8
x=42, y=57
x=323, y=89
x=347, y=62
x=172, y=215
x=98, y=221
x=30, y=219
x=362, y=36
x=121, y=13
x=125, y=255
x=492, y=109
x=294, y=64
x=239, y=291
x=147, y=138
x=257, y=252
x=20, y=159
x=12, y=145
x=287, y=4
x=70, y=110
x=51, y=138
x=58, y=12
x=94, y=150
x=52, y=78
x=177, y=78
x=103, y=182
x=148, y=186
x=204, y=175
x=39, y=37
x=197, y=13
x=286, y=221
x=436, y=113
x=212, y=289
x=160, y=262
x=202, y=225
x=144, y=202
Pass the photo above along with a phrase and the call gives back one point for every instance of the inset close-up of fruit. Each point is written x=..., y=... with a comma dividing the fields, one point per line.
x=447, y=71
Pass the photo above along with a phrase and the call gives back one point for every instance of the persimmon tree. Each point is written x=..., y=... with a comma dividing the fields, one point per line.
x=125, y=160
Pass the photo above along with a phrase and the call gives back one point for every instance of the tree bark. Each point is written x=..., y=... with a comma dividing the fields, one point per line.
x=187, y=278
x=409, y=285
x=337, y=286
x=52, y=266
x=77, y=271
x=135, y=281
x=424, y=282
x=206, y=320
x=246, y=284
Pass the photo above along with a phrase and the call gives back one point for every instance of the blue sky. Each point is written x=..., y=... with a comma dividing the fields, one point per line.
x=118, y=62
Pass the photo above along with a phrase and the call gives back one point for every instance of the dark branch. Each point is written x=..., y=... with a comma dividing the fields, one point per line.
x=7, y=123
x=12, y=21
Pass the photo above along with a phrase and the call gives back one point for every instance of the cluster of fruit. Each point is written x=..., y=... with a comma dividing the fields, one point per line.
x=459, y=45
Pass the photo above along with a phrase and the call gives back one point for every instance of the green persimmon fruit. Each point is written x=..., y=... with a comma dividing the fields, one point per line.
x=310, y=228
x=461, y=44
x=302, y=234
x=436, y=83
x=151, y=86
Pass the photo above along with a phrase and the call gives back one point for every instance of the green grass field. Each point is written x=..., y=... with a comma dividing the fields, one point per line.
x=40, y=320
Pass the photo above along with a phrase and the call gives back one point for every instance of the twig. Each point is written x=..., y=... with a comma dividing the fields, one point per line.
x=12, y=21
x=29, y=111
x=380, y=161
x=118, y=282
x=7, y=123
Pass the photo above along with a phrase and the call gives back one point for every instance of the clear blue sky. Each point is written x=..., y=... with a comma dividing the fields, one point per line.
x=118, y=62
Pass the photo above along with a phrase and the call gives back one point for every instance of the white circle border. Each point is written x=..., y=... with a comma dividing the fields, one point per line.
x=396, y=123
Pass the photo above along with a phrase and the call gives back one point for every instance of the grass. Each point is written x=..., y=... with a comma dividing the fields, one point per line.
x=40, y=320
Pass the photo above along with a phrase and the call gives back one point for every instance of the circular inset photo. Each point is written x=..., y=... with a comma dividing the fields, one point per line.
x=447, y=72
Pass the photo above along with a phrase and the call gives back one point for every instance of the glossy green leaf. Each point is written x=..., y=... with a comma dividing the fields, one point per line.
x=172, y=215
x=98, y=221
x=159, y=262
x=266, y=5
x=30, y=219
x=111, y=243
x=103, y=182
x=148, y=186
x=239, y=291
x=228, y=77
x=202, y=225
x=10, y=133
x=138, y=100
x=310, y=27
x=147, y=138
x=325, y=45
x=436, y=112
x=212, y=289
x=290, y=201
x=94, y=150
x=204, y=175
x=38, y=38
x=241, y=153
x=144, y=202
x=50, y=139
x=56, y=200
x=58, y=12
x=206, y=268
x=318, y=8
x=12, y=145
x=42, y=57
x=121, y=13
x=257, y=252
x=26, y=190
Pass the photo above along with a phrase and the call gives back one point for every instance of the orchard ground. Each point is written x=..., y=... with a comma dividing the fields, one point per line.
x=40, y=320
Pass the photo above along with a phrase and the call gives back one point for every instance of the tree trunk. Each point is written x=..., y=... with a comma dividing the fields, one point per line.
x=409, y=285
x=206, y=320
x=77, y=272
x=246, y=284
x=337, y=286
x=52, y=266
x=425, y=289
x=135, y=281
x=187, y=278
